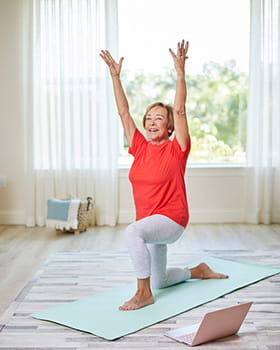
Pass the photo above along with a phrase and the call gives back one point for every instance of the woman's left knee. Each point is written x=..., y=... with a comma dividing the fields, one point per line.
x=157, y=283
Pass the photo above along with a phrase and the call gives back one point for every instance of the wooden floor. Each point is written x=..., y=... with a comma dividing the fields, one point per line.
x=23, y=250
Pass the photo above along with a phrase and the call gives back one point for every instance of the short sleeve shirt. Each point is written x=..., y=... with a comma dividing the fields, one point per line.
x=157, y=178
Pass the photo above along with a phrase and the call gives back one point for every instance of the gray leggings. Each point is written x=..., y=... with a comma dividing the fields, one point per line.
x=147, y=244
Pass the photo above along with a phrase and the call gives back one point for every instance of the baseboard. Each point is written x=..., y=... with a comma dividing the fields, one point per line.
x=216, y=216
x=12, y=217
x=201, y=216
x=204, y=216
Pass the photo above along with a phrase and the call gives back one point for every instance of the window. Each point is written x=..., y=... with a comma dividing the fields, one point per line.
x=70, y=91
x=217, y=69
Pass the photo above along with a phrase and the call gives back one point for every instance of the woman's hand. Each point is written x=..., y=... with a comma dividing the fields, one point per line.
x=180, y=57
x=115, y=68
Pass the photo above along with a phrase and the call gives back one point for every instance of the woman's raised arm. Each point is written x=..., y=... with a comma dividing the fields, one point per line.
x=180, y=114
x=120, y=97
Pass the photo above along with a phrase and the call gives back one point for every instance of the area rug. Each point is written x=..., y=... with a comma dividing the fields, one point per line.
x=73, y=275
x=99, y=314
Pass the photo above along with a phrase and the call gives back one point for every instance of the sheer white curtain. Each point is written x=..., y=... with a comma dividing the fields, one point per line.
x=263, y=181
x=70, y=118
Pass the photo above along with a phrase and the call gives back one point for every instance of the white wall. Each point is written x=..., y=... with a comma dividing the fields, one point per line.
x=215, y=194
x=11, y=117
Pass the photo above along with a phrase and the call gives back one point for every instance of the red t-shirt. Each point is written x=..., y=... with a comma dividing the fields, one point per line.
x=157, y=178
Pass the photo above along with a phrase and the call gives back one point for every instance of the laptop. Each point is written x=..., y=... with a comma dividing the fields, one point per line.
x=214, y=325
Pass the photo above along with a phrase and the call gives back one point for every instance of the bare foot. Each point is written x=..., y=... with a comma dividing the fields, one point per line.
x=203, y=271
x=137, y=302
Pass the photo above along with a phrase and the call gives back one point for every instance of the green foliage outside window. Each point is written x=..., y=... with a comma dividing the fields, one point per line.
x=216, y=108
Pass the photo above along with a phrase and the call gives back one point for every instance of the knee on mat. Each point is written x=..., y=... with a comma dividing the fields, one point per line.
x=157, y=283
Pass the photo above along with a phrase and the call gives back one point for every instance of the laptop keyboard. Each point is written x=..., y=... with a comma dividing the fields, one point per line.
x=188, y=338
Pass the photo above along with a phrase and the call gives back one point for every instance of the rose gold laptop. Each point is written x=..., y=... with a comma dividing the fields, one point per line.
x=214, y=325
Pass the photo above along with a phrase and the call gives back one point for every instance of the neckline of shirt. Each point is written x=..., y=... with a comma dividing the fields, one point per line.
x=161, y=144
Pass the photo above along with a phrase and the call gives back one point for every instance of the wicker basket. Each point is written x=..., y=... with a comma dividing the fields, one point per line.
x=85, y=216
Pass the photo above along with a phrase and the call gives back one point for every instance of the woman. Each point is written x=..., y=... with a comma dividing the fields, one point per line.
x=157, y=177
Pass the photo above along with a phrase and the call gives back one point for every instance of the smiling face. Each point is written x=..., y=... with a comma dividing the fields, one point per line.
x=156, y=125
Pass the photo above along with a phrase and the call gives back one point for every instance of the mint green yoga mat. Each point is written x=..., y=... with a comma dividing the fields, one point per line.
x=99, y=314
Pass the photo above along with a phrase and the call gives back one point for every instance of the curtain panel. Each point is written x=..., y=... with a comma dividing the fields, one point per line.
x=71, y=125
x=263, y=130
